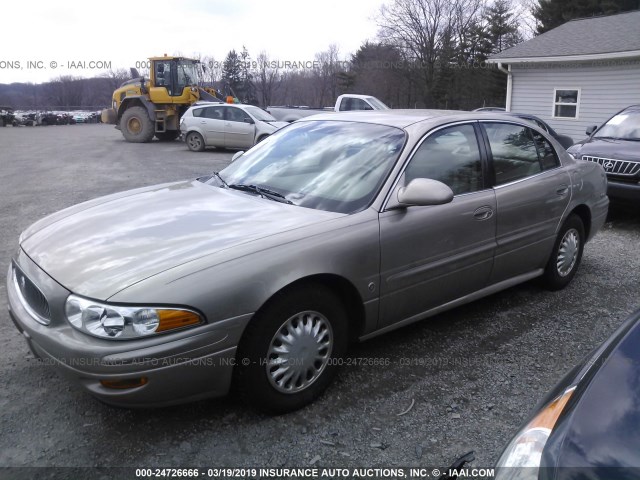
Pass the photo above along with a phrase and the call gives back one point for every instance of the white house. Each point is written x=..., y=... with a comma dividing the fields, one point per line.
x=576, y=75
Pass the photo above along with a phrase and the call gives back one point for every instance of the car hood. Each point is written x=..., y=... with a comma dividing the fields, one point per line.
x=277, y=125
x=616, y=149
x=601, y=430
x=104, y=246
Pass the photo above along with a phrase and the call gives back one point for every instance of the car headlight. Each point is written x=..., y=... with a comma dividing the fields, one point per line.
x=125, y=322
x=524, y=452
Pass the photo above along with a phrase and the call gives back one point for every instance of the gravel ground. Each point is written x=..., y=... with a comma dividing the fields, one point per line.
x=474, y=375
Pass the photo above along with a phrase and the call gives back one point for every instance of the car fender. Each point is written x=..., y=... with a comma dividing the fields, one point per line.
x=240, y=280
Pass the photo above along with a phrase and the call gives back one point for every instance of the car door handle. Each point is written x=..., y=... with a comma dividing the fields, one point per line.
x=562, y=190
x=483, y=213
x=203, y=121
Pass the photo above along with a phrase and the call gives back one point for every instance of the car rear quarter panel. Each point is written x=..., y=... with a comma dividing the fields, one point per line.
x=589, y=189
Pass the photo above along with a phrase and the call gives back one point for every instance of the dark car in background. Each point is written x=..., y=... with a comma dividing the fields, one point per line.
x=588, y=426
x=564, y=140
x=616, y=146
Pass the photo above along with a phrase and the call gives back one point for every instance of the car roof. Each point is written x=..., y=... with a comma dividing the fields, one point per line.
x=216, y=104
x=632, y=108
x=403, y=118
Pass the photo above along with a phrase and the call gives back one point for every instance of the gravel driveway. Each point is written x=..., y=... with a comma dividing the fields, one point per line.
x=467, y=377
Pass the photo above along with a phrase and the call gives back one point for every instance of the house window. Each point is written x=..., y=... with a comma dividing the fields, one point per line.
x=565, y=102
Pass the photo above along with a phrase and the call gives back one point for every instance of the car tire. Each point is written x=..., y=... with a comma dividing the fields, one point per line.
x=168, y=136
x=136, y=125
x=313, y=318
x=195, y=142
x=566, y=255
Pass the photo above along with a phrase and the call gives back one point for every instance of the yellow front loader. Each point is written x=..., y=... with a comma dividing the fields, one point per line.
x=144, y=107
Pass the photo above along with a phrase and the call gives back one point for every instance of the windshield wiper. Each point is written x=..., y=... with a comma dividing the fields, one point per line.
x=217, y=175
x=262, y=191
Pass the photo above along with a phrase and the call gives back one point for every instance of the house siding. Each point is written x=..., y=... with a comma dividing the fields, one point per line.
x=605, y=88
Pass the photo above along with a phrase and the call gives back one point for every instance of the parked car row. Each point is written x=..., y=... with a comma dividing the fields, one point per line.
x=33, y=119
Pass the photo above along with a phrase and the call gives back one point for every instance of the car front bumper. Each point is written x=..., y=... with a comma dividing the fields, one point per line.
x=176, y=368
x=628, y=191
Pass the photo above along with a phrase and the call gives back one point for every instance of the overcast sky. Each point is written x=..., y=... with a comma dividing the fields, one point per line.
x=40, y=38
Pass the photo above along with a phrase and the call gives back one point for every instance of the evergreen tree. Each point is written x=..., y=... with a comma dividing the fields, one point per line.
x=502, y=29
x=553, y=13
x=232, y=71
x=247, y=88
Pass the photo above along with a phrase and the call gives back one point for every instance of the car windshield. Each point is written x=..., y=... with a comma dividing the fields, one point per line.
x=188, y=73
x=624, y=126
x=260, y=114
x=377, y=104
x=326, y=165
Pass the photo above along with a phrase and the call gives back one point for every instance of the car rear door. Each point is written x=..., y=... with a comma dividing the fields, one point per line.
x=239, y=128
x=532, y=193
x=431, y=255
x=211, y=123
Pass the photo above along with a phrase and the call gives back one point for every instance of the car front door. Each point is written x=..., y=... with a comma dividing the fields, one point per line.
x=532, y=192
x=240, y=129
x=212, y=123
x=431, y=255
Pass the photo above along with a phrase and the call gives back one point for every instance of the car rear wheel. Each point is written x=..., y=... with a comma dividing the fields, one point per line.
x=566, y=255
x=290, y=351
x=195, y=142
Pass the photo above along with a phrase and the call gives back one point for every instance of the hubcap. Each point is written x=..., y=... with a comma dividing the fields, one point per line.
x=568, y=252
x=299, y=352
x=134, y=125
x=194, y=141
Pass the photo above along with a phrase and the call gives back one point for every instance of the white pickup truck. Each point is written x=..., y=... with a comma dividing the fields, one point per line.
x=344, y=103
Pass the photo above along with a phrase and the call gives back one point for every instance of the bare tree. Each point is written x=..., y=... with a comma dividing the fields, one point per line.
x=325, y=75
x=267, y=78
x=212, y=70
x=426, y=30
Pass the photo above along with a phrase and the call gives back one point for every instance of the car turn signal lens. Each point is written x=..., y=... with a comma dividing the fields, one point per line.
x=525, y=449
x=170, y=319
x=124, y=384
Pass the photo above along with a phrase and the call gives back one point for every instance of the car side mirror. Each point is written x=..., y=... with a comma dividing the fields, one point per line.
x=591, y=129
x=249, y=121
x=423, y=192
x=237, y=155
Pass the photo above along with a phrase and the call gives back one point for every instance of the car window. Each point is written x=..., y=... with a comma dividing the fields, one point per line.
x=546, y=154
x=625, y=126
x=514, y=153
x=349, y=104
x=198, y=112
x=235, y=114
x=214, y=113
x=540, y=124
x=327, y=165
x=450, y=155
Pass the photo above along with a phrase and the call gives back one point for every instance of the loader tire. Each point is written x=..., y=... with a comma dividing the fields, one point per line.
x=136, y=125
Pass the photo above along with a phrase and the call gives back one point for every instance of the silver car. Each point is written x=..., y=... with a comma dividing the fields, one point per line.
x=226, y=126
x=330, y=230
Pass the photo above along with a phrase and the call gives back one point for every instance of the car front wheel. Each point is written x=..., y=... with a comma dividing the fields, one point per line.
x=291, y=349
x=566, y=255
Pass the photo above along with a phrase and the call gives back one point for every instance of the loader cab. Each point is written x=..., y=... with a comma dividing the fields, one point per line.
x=172, y=79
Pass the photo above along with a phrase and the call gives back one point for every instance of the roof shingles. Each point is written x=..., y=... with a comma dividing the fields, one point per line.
x=587, y=36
